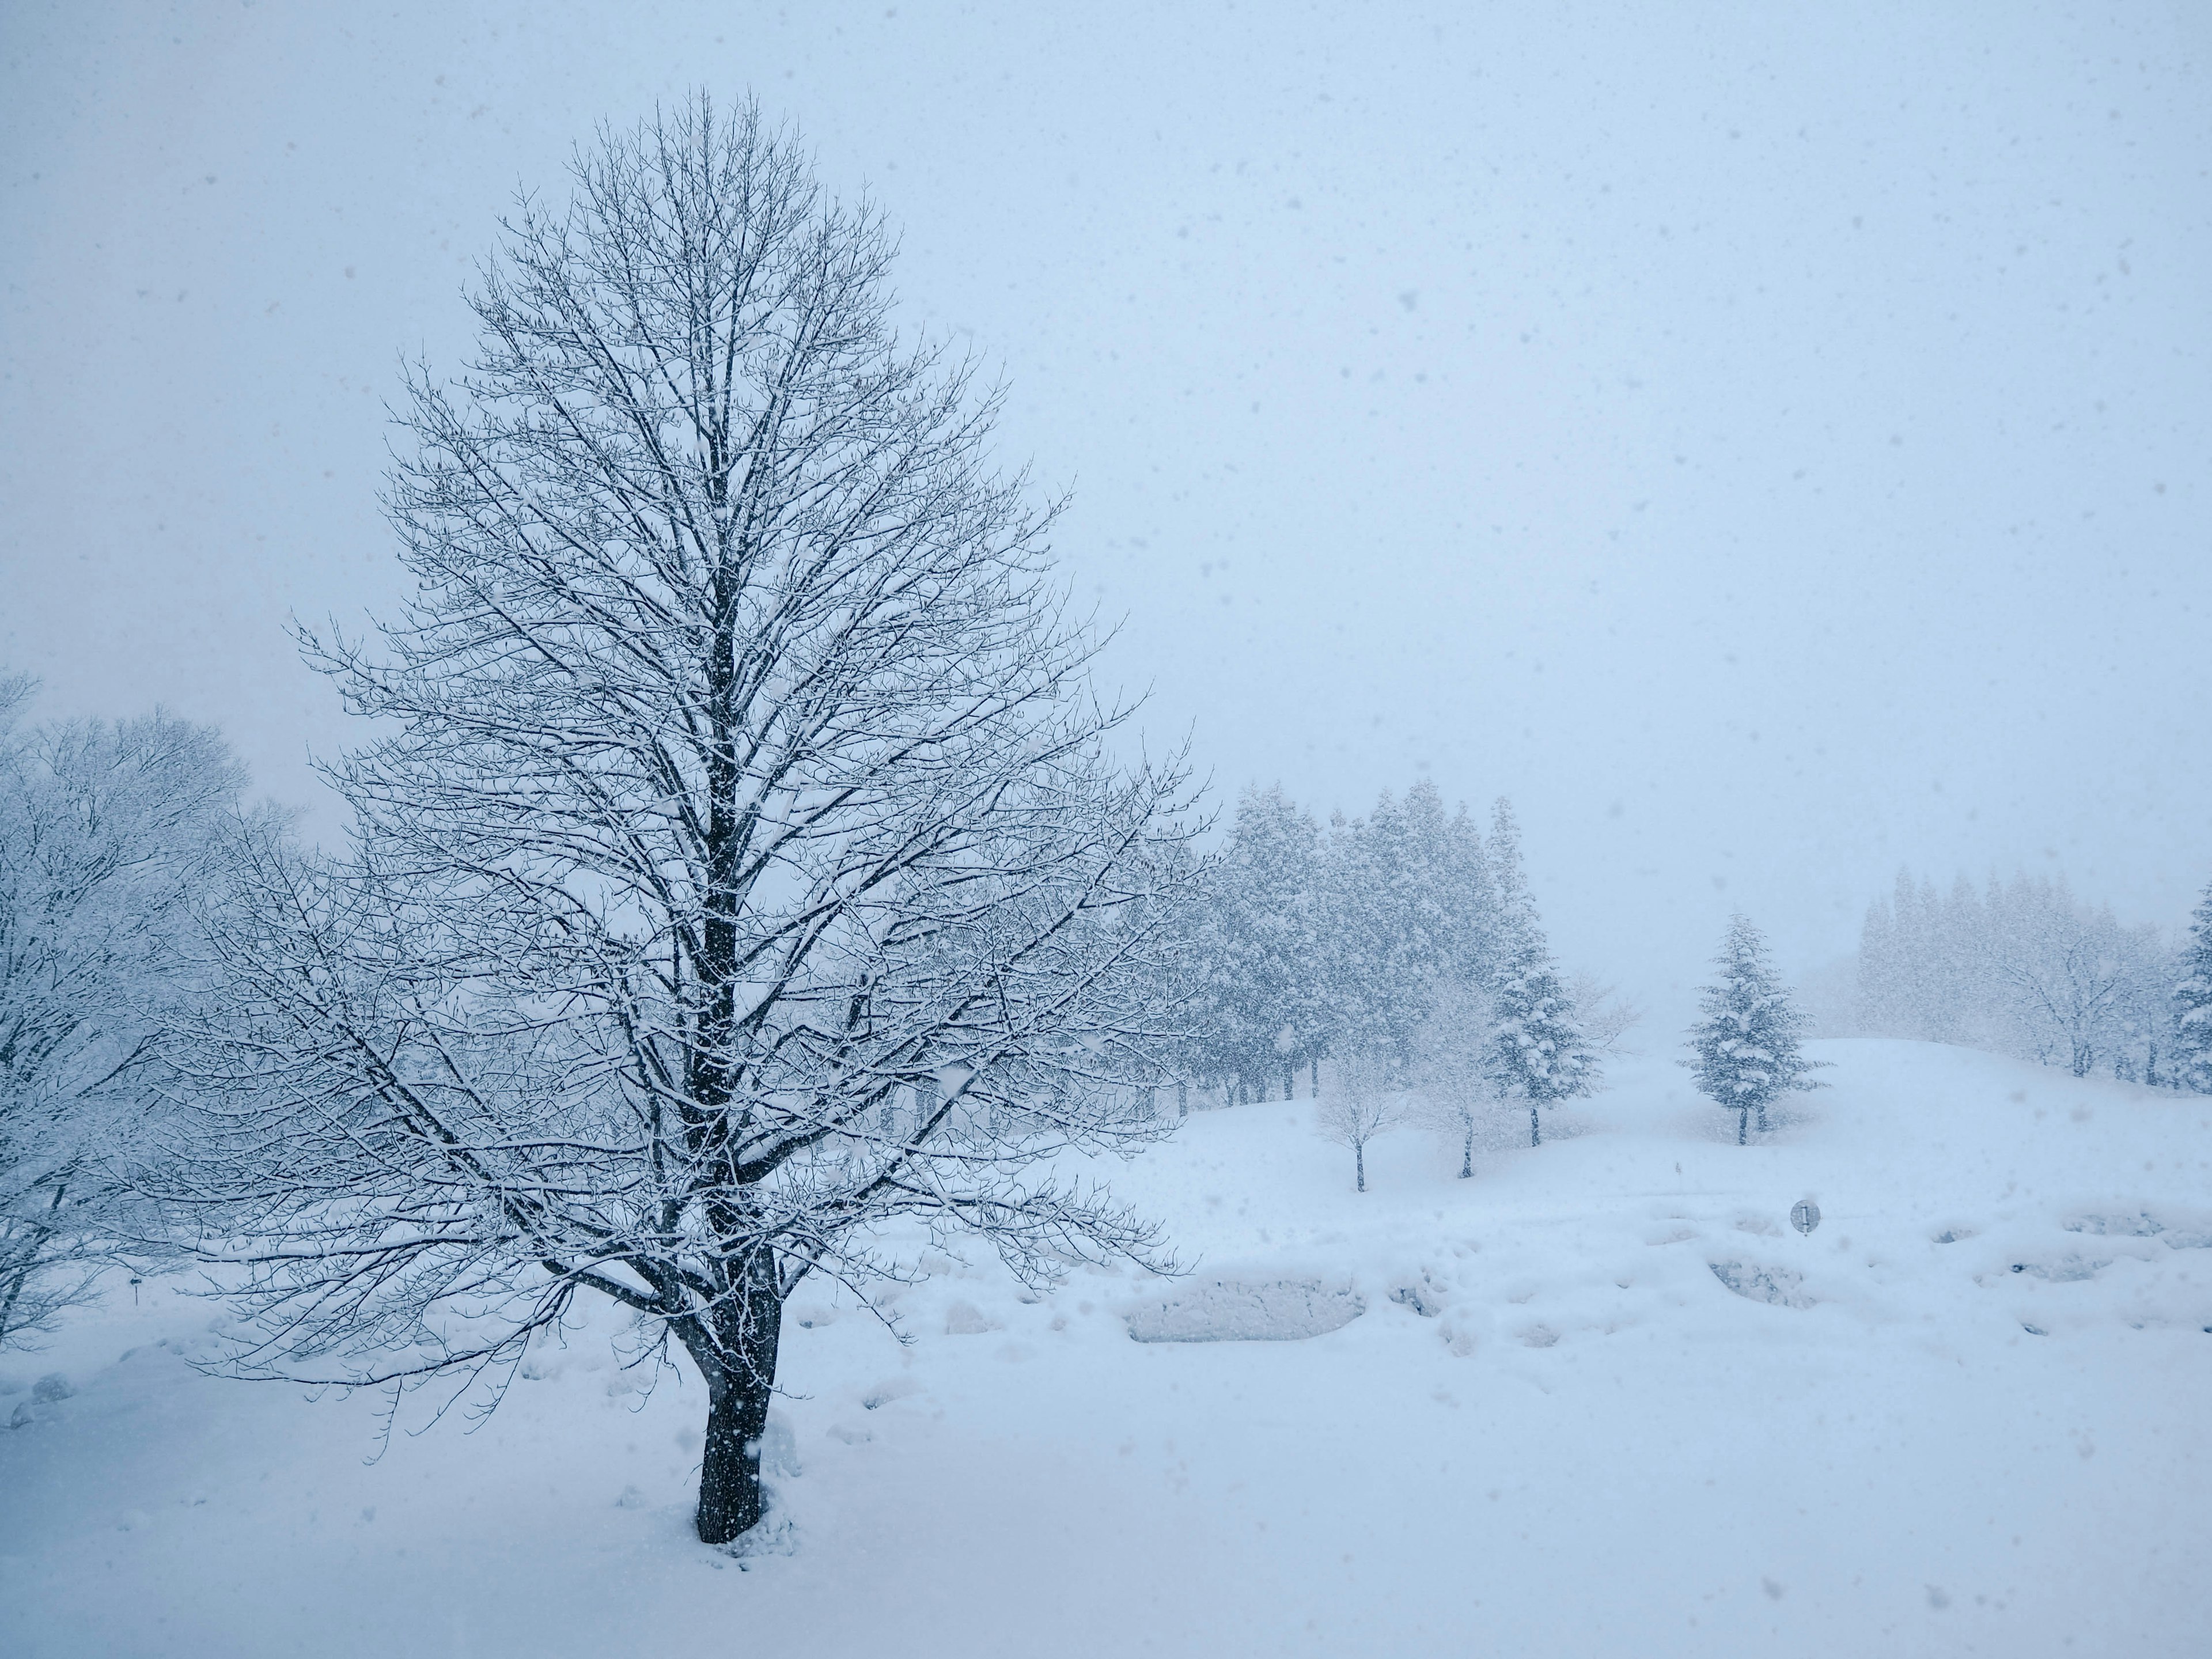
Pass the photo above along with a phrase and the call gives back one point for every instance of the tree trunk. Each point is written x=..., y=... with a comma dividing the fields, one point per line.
x=1467, y=1154
x=1762, y=1117
x=1742, y=1124
x=1289, y=1079
x=740, y=1382
x=1313, y=1077
x=1535, y=1128
x=38, y=1236
x=1360, y=1161
x=1182, y=1097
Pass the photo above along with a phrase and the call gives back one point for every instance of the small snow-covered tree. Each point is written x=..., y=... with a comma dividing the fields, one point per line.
x=2192, y=1003
x=1745, y=1043
x=735, y=775
x=109, y=836
x=1452, y=1065
x=1358, y=1103
x=1540, y=1054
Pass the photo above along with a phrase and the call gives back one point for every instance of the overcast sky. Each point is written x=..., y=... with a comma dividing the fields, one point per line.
x=1769, y=443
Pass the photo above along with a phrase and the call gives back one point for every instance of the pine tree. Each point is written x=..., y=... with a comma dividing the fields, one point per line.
x=2193, y=1001
x=1265, y=1009
x=1746, y=1043
x=1538, y=1053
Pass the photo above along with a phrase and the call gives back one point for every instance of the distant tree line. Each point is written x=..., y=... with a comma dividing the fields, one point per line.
x=2026, y=968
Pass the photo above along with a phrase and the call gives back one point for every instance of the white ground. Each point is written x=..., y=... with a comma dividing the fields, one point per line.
x=1589, y=1445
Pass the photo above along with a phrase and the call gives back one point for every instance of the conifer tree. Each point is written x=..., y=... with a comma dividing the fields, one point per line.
x=2193, y=1001
x=1538, y=1053
x=1267, y=1012
x=1746, y=1042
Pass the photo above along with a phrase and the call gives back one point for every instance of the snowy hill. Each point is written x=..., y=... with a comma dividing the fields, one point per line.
x=1599, y=1399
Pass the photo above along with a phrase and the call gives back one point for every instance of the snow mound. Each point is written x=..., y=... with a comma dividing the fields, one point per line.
x=1241, y=1311
x=1783, y=1287
x=966, y=1319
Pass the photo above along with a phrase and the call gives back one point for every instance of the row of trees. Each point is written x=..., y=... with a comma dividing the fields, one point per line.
x=2024, y=968
x=1400, y=945
x=1745, y=1053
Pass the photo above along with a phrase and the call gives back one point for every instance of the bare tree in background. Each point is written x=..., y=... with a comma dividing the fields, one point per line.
x=1605, y=1015
x=1452, y=1052
x=738, y=780
x=1358, y=1103
x=106, y=833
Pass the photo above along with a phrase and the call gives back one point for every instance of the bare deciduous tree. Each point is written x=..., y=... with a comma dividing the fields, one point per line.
x=1359, y=1103
x=1452, y=1050
x=1606, y=1016
x=739, y=783
x=105, y=834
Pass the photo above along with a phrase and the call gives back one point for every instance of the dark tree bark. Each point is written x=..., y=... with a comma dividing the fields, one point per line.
x=1466, y=1155
x=1742, y=1123
x=737, y=1352
x=1535, y=1128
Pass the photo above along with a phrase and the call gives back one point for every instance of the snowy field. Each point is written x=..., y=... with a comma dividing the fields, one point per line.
x=1968, y=1415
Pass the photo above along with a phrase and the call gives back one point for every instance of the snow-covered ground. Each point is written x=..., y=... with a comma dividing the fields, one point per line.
x=1968, y=1414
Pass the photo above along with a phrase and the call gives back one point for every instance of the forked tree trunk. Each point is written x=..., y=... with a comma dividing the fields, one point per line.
x=740, y=1371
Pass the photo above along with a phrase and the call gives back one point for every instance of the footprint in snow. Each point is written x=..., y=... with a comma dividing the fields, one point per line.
x=1780, y=1287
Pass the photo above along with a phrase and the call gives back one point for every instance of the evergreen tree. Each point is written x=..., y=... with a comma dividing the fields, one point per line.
x=1408, y=908
x=1746, y=1043
x=1266, y=1007
x=2192, y=1002
x=1538, y=1051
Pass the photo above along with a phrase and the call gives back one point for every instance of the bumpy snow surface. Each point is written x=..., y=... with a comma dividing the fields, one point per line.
x=1599, y=1399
